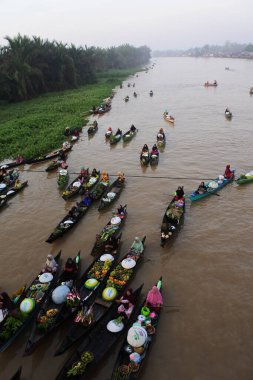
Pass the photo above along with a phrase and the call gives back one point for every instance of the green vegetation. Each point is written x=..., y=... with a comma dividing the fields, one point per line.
x=37, y=126
x=33, y=66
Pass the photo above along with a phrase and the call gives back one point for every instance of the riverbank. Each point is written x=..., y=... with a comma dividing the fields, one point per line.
x=37, y=126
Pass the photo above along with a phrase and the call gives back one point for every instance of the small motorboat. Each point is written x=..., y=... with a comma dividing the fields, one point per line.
x=214, y=84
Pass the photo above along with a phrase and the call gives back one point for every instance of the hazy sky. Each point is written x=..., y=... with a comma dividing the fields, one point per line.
x=160, y=24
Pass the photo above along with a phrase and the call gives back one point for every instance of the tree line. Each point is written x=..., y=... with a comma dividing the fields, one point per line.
x=32, y=66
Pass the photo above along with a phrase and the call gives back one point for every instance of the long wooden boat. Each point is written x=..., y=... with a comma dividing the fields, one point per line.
x=245, y=178
x=13, y=164
x=11, y=192
x=54, y=165
x=129, y=135
x=112, y=194
x=172, y=220
x=95, y=278
x=114, y=139
x=112, y=228
x=51, y=314
x=207, y=84
x=101, y=340
x=17, y=375
x=48, y=156
x=36, y=293
x=74, y=190
x=144, y=158
x=212, y=187
x=68, y=222
x=169, y=118
x=123, y=367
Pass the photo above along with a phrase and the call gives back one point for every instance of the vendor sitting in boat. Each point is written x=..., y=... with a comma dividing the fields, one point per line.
x=154, y=300
x=135, y=95
x=121, y=177
x=145, y=148
x=111, y=245
x=179, y=193
x=87, y=200
x=95, y=173
x=161, y=134
x=62, y=155
x=132, y=128
x=154, y=151
x=201, y=189
x=104, y=177
x=228, y=172
x=17, y=184
x=151, y=93
x=50, y=266
x=76, y=133
x=119, y=132
x=95, y=123
x=6, y=305
x=67, y=131
x=70, y=270
x=121, y=211
x=126, y=303
x=20, y=159
x=137, y=246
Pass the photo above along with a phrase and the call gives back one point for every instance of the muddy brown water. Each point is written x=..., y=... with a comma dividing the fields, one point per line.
x=207, y=271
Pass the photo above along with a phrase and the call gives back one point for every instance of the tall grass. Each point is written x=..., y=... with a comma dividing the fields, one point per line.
x=37, y=126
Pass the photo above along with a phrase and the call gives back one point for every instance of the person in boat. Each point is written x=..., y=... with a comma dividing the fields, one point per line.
x=19, y=159
x=154, y=151
x=51, y=265
x=64, y=165
x=161, y=134
x=137, y=246
x=119, y=132
x=84, y=172
x=154, y=300
x=126, y=303
x=62, y=155
x=17, y=184
x=121, y=177
x=111, y=245
x=67, y=131
x=135, y=95
x=145, y=148
x=87, y=200
x=3, y=174
x=121, y=211
x=95, y=123
x=215, y=83
x=228, y=172
x=6, y=305
x=66, y=145
x=109, y=129
x=227, y=110
x=132, y=128
x=76, y=133
x=94, y=173
x=150, y=92
x=104, y=177
x=201, y=189
x=126, y=98
x=179, y=193
x=70, y=270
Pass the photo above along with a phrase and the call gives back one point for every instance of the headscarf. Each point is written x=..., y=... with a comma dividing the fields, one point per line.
x=154, y=297
x=137, y=244
x=51, y=263
x=128, y=297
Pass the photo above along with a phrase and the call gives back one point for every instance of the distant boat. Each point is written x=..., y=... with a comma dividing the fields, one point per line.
x=226, y=68
x=214, y=84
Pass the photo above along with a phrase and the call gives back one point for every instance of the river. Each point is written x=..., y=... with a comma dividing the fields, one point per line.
x=207, y=271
